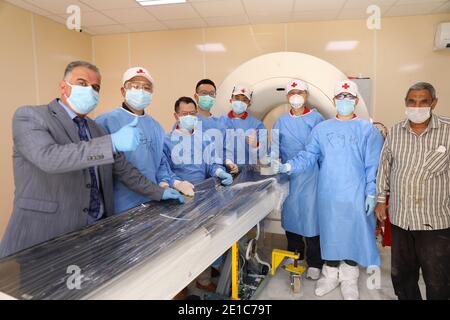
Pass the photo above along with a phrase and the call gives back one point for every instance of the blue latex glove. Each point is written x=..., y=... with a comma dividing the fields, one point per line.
x=370, y=205
x=226, y=178
x=278, y=167
x=173, y=194
x=128, y=137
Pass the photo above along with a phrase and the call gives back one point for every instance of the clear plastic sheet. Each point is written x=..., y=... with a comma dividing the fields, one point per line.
x=109, y=248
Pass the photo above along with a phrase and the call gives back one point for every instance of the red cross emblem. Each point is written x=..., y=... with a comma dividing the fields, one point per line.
x=294, y=85
x=345, y=86
x=140, y=71
x=243, y=90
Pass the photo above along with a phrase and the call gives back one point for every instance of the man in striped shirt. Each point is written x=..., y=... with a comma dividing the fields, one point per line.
x=415, y=171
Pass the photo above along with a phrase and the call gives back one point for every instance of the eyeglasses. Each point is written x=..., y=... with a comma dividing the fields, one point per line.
x=185, y=113
x=212, y=94
x=345, y=96
x=139, y=86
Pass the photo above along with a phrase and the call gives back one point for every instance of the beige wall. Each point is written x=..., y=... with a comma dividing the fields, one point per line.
x=400, y=54
x=34, y=51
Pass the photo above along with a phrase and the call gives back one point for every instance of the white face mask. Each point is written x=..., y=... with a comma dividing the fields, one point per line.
x=297, y=101
x=418, y=115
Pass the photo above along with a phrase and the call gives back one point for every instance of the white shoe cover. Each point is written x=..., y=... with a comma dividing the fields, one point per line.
x=313, y=273
x=348, y=277
x=328, y=282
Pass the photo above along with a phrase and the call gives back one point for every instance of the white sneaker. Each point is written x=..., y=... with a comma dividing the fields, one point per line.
x=328, y=282
x=313, y=273
x=348, y=277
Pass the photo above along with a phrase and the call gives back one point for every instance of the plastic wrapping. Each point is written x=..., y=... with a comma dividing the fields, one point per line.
x=113, y=246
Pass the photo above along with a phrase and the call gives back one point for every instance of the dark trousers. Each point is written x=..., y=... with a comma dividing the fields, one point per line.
x=336, y=263
x=426, y=250
x=296, y=243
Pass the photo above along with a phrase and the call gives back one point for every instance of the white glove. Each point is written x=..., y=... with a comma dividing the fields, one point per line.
x=231, y=166
x=185, y=187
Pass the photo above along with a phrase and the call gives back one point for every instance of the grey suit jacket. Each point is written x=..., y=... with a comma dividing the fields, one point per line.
x=52, y=179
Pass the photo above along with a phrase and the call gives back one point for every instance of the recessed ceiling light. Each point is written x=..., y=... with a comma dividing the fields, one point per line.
x=158, y=2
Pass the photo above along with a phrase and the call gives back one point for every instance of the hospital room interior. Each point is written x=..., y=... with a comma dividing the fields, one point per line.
x=225, y=150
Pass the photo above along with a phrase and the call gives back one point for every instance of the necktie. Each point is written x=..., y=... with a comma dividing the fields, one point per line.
x=94, y=205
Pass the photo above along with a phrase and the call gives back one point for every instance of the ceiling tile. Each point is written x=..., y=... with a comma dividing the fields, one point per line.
x=355, y=4
x=146, y=26
x=443, y=9
x=408, y=2
x=359, y=13
x=300, y=16
x=271, y=18
x=89, y=19
x=185, y=23
x=267, y=7
x=223, y=8
x=411, y=9
x=60, y=6
x=25, y=5
x=129, y=15
x=323, y=5
x=227, y=21
x=173, y=12
x=110, y=4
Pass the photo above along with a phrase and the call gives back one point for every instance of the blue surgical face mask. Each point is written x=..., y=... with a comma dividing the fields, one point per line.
x=345, y=107
x=188, y=122
x=238, y=107
x=83, y=100
x=139, y=99
x=206, y=102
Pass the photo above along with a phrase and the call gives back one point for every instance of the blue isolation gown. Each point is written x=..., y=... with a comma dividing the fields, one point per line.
x=236, y=148
x=299, y=214
x=148, y=158
x=348, y=153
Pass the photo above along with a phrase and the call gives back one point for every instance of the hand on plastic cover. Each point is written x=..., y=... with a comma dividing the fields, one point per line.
x=265, y=161
x=164, y=184
x=252, y=140
x=278, y=167
x=170, y=193
x=185, y=187
x=232, y=167
x=370, y=205
x=226, y=178
x=128, y=138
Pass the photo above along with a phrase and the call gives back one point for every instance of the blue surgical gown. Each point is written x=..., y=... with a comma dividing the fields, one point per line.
x=191, y=157
x=299, y=214
x=148, y=158
x=236, y=148
x=348, y=153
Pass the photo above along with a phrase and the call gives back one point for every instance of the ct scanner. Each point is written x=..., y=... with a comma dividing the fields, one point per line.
x=99, y=248
x=268, y=75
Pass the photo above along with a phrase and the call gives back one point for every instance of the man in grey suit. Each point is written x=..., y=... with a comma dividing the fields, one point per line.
x=64, y=164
